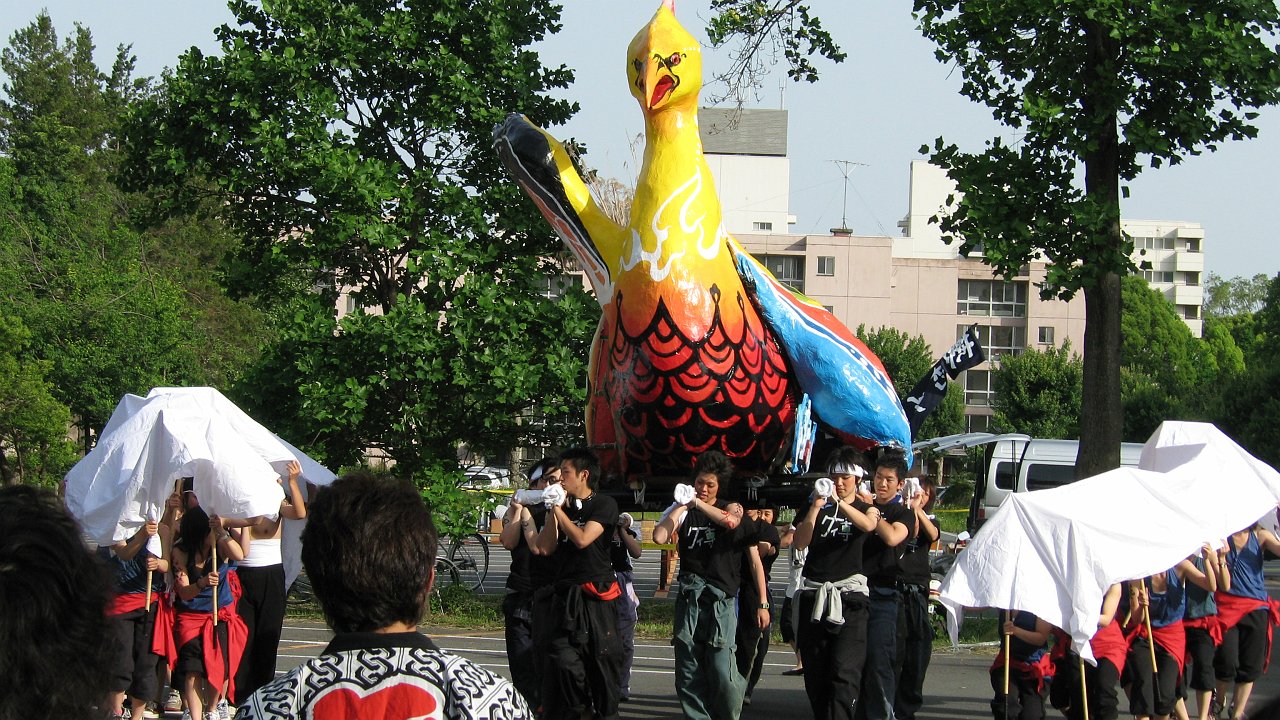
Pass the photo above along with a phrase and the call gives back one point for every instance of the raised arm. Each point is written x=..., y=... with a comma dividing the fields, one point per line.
x=294, y=506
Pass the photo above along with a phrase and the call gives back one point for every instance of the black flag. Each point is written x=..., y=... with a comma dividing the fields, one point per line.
x=928, y=393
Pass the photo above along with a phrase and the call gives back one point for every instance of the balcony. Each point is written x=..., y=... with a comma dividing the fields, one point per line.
x=1189, y=262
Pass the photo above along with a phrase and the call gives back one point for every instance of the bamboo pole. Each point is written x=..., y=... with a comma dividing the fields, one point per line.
x=148, y=603
x=1012, y=615
x=1151, y=638
x=215, y=587
x=1084, y=691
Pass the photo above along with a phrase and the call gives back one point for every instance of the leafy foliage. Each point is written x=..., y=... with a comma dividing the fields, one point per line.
x=348, y=146
x=33, y=425
x=1039, y=392
x=1227, y=297
x=785, y=29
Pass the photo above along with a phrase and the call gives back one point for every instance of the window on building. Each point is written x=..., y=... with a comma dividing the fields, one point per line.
x=1158, y=276
x=1191, y=312
x=977, y=388
x=1191, y=279
x=981, y=423
x=826, y=265
x=992, y=298
x=554, y=286
x=788, y=269
x=351, y=304
x=830, y=308
x=1193, y=245
x=761, y=226
x=1045, y=335
x=997, y=341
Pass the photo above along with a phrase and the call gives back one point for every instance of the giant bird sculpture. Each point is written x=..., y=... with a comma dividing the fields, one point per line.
x=698, y=346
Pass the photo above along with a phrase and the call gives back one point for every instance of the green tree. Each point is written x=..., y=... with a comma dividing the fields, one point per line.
x=1095, y=89
x=1250, y=405
x=33, y=425
x=1039, y=392
x=907, y=359
x=348, y=145
x=71, y=266
x=1225, y=297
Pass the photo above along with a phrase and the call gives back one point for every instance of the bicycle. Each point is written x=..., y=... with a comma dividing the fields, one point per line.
x=466, y=563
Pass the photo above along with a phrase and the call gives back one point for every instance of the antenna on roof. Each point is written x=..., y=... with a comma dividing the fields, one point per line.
x=845, y=166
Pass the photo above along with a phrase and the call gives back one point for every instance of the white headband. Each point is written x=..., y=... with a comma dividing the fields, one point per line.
x=537, y=474
x=842, y=469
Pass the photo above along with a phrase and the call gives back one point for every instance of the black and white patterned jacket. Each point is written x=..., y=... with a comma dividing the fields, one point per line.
x=400, y=676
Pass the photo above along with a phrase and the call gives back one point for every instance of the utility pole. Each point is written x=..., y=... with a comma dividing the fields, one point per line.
x=845, y=167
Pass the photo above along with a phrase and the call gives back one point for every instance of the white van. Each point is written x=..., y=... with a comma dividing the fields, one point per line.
x=1018, y=463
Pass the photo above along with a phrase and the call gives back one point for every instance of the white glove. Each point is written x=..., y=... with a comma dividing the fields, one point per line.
x=667, y=512
x=911, y=489
x=824, y=488
x=529, y=497
x=865, y=488
x=684, y=494
x=553, y=496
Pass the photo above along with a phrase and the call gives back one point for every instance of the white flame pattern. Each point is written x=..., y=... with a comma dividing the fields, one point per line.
x=660, y=267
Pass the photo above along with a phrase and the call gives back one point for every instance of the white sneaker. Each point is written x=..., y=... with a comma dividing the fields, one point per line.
x=211, y=716
x=186, y=715
x=224, y=710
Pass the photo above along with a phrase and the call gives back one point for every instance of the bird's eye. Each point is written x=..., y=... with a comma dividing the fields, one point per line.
x=674, y=59
x=637, y=65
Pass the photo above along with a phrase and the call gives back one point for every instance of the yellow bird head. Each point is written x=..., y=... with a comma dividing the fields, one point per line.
x=664, y=63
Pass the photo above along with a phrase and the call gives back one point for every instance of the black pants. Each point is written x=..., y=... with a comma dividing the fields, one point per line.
x=261, y=606
x=879, y=675
x=1198, y=671
x=583, y=657
x=752, y=642
x=1243, y=649
x=133, y=665
x=1024, y=702
x=916, y=635
x=833, y=656
x=1101, y=683
x=1151, y=693
x=517, y=609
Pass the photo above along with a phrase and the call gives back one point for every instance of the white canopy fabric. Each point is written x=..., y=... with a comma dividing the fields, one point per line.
x=150, y=442
x=1055, y=552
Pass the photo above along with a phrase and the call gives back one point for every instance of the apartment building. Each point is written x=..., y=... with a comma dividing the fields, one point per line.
x=920, y=285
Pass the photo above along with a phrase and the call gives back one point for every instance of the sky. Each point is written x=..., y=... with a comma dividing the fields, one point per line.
x=876, y=109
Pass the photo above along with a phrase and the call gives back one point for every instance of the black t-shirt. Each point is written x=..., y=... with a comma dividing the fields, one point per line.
x=835, y=552
x=542, y=568
x=765, y=532
x=881, y=563
x=619, y=557
x=712, y=551
x=915, y=558
x=589, y=564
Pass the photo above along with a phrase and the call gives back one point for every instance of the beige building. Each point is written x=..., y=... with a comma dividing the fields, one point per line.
x=921, y=286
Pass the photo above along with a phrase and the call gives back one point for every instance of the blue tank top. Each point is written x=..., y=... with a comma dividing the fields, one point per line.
x=1246, y=568
x=1199, y=601
x=204, y=601
x=130, y=576
x=1167, y=607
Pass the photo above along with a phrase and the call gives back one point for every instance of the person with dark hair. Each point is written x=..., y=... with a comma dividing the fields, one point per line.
x=916, y=629
x=53, y=599
x=881, y=558
x=138, y=630
x=753, y=640
x=583, y=650
x=261, y=574
x=830, y=606
x=712, y=540
x=369, y=550
x=1199, y=620
x=209, y=646
x=520, y=526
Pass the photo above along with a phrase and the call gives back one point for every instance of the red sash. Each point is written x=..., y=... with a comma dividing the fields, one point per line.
x=612, y=592
x=1109, y=643
x=1209, y=624
x=162, y=631
x=1036, y=671
x=1172, y=637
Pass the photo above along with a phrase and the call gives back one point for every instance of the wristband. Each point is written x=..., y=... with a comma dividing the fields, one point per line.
x=764, y=606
